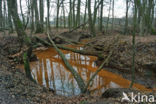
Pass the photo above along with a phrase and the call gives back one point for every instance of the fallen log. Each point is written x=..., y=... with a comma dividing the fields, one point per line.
x=98, y=70
x=65, y=39
x=77, y=77
x=77, y=27
x=44, y=42
x=83, y=87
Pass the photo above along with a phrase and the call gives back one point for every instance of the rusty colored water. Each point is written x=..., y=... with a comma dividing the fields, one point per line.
x=51, y=72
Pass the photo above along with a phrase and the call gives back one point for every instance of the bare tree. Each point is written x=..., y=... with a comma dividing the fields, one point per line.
x=42, y=15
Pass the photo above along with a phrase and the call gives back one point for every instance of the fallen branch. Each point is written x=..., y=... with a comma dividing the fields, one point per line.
x=77, y=77
x=98, y=70
x=67, y=40
x=77, y=27
x=72, y=49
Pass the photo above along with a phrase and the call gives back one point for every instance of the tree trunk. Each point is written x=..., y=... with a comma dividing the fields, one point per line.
x=57, y=15
x=101, y=16
x=48, y=16
x=126, y=19
x=78, y=13
x=85, y=12
x=42, y=15
x=95, y=13
x=70, y=15
x=28, y=14
x=38, y=26
x=112, y=15
x=23, y=38
x=73, y=15
x=23, y=18
x=1, y=16
x=4, y=19
x=91, y=25
x=12, y=6
x=10, y=21
x=27, y=66
x=133, y=45
x=77, y=77
x=108, y=16
x=32, y=16
x=64, y=17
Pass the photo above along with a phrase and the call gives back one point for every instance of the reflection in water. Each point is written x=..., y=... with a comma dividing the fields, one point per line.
x=51, y=72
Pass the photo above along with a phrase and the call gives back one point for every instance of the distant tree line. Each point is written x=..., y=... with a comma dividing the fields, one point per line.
x=72, y=13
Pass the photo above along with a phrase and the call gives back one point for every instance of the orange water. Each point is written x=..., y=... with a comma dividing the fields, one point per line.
x=51, y=72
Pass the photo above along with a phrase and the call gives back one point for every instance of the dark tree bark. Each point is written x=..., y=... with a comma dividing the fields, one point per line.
x=1, y=17
x=91, y=25
x=48, y=14
x=42, y=15
x=24, y=39
x=57, y=15
x=101, y=16
x=84, y=21
x=12, y=6
x=10, y=21
x=4, y=17
x=38, y=25
x=73, y=14
x=32, y=16
x=78, y=13
x=133, y=44
x=112, y=15
x=23, y=18
x=126, y=19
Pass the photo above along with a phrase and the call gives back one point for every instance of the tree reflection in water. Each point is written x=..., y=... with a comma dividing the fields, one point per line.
x=51, y=72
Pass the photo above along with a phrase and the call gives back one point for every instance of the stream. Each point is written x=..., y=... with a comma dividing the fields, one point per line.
x=51, y=72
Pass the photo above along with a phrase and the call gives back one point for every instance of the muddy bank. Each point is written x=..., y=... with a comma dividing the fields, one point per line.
x=17, y=88
x=121, y=59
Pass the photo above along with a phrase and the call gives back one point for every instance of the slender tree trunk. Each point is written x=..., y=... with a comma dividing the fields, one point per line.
x=64, y=17
x=73, y=15
x=126, y=19
x=38, y=26
x=23, y=18
x=133, y=42
x=91, y=25
x=1, y=16
x=108, y=16
x=57, y=15
x=42, y=15
x=78, y=13
x=101, y=16
x=28, y=14
x=95, y=13
x=10, y=21
x=112, y=15
x=84, y=21
x=70, y=15
x=32, y=17
x=4, y=15
x=48, y=14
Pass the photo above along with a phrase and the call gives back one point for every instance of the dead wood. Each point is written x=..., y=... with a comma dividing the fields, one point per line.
x=77, y=27
x=44, y=42
x=77, y=77
x=99, y=69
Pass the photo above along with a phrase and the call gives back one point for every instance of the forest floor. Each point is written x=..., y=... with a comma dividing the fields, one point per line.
x=121, y=60
x=15, y=88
